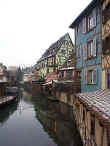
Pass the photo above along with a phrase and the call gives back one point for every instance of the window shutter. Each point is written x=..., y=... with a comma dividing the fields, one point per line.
x=94, y=47
x=84, y=25
x=80, y=50
x=89, y=50
x=85, y=51
x=75, y=31
x=84, y=76
x=95, y=76
x=87, y=76
x=88, y=23
x=76, y=52
x=94, y=17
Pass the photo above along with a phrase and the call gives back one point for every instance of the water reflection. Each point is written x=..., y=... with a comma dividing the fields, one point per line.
x=36, y=121
x=57, y=120
x=7, y=111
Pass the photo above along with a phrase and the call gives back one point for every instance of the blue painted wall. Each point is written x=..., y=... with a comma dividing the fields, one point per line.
x=84, y=64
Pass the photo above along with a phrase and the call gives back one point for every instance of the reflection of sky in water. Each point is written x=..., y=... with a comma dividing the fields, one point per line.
x=36, y=123
x=22, y=129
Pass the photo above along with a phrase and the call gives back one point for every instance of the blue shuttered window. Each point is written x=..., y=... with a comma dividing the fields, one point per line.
x=92, y=48
x=92, y=76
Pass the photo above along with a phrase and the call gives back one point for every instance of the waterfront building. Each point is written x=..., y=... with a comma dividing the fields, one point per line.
x=106, y=44
x=3, y=80
x=67, y=71
x=92, y=115
x=55, y=56
x=30, y=77
x=68, y=82
x=92, y=40
x=3, y=73
x=88, y=46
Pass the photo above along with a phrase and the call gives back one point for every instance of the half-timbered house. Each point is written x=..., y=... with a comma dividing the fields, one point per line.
x=106, y=44
x=88, y=46
x=92, y=115
x=55, y=56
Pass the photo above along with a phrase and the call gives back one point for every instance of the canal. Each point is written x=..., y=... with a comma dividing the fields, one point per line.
x=36, y=121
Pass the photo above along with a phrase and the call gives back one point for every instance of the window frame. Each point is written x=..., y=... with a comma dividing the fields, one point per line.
x=92, y=20
x=92, y=125
x=69, y=73
x=78, y=51
x=92, y=76
x=92, y=48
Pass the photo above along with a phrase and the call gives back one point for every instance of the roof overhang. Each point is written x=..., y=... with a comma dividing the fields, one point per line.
x=85, y=12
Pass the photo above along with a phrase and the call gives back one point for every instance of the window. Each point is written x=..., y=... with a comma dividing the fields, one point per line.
x=92, y=20
x=84, y=113
x=91, y=48
x=92, y=125
x=69, y=73
x=84, y=25
x=78, y=51
x=92, y=76
x=77, y=30
x=108, y=80
x=78, y=74
x=50, y=61
x=69, y=63
x=62, y=74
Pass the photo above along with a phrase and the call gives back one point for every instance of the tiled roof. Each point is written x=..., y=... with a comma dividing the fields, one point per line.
x=98, y=101
x=52, y=50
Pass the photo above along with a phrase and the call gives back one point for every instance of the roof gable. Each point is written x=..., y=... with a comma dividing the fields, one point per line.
x=54, y=48
x=85, y=12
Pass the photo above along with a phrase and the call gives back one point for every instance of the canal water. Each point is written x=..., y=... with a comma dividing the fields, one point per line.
x=36, y=121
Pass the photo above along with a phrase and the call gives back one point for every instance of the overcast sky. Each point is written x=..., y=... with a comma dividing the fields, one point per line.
x=29, y=27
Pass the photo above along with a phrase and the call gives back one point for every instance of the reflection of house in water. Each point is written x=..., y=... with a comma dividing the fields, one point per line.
x=5, y=113
x=3, y=79
x=53, y=117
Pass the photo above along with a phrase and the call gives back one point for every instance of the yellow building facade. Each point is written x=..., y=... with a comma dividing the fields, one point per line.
x=55, y=56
